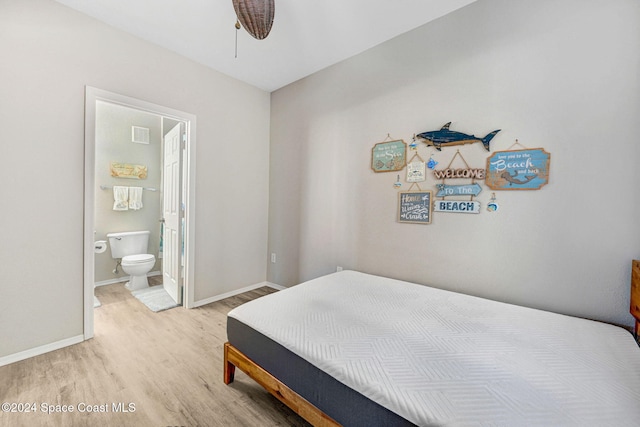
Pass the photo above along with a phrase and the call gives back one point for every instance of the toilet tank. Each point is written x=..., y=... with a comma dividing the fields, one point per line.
x=128, y=243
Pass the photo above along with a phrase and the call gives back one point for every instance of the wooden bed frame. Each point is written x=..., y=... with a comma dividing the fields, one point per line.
x=635, y=294
x=234, y=358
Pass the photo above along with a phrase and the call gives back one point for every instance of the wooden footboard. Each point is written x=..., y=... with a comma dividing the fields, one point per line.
x=234, y=358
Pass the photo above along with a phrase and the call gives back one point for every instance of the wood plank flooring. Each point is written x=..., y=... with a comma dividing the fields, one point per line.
x=164, y=368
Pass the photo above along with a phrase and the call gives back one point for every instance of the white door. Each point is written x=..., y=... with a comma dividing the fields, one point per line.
x=172, y=214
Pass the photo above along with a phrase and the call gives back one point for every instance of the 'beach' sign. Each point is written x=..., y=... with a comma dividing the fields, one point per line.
x=518, y=169
x=456, y=206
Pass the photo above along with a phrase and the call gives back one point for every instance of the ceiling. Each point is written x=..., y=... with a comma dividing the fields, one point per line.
x=306, y=37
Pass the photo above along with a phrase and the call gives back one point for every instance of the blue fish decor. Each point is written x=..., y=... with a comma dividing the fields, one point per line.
x=446, y=137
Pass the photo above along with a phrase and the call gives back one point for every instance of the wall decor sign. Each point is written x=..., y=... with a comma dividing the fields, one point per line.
x=456, y=206
x=389, y=156
x=125, y=170
x=518, y=169
x=447, y=137
x=416, y=170
x=458, y=190
x=414, y=207
x=450, y=173
x=471, y=190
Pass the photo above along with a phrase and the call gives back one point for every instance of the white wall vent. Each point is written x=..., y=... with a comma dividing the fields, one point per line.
x=140, y=135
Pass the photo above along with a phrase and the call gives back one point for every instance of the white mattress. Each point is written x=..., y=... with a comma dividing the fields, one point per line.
x=441, y=358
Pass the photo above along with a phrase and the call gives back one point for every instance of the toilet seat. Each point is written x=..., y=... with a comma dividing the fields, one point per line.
x=137, y=266
x=138, y=259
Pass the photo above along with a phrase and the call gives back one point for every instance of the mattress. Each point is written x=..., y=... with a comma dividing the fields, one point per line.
x=438, y=358
x=343, y=404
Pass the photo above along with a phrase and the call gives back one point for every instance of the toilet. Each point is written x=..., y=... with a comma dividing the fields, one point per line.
x=131, y=248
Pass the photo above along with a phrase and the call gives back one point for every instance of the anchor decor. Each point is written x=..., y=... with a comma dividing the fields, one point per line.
x=518, y=169
x=445, y=190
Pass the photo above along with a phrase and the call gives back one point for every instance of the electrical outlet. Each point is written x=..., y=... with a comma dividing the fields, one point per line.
x=338, y=268
x=273, y=257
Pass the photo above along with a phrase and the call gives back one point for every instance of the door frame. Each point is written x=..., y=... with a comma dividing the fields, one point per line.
x=92, y=95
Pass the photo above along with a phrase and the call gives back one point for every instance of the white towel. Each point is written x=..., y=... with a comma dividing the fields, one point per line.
x=121, y=198
x=135, y=198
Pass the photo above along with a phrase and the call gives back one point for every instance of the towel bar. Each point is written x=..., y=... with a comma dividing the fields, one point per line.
x=106, y=187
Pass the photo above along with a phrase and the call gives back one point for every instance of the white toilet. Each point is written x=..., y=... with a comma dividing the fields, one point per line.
x=131, y=247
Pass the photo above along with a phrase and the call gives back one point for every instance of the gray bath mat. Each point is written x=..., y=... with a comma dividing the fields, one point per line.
x=155, y=298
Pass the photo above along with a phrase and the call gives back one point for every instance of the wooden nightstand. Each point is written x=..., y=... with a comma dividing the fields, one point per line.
x=635, y=293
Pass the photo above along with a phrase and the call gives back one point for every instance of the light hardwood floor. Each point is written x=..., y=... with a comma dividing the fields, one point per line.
x=167, y=364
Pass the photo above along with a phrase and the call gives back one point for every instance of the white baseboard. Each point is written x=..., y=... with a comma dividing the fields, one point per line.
x=236, y=292
x=37, y=351
x=123, y=279
x=274, y=286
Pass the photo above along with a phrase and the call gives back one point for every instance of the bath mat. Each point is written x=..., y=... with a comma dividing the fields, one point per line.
x=155, y=298
x=96, y=302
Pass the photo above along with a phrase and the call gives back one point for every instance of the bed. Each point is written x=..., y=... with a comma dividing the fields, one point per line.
x=355, y=349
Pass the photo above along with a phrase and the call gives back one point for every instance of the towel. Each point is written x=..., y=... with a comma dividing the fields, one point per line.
x=121, y=197
x=161, y=238
x=135, y=198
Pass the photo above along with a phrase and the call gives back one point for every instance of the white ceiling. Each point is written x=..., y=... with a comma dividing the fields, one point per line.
x=307, y=35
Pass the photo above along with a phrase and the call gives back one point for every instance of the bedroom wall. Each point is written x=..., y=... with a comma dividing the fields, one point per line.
x=561, y=74
x=51, y=52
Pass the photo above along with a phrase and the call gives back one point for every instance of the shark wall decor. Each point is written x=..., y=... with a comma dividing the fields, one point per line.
x=446, y=137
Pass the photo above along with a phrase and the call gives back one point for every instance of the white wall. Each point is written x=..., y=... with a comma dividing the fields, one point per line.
x=51, y=53
x=557, y=74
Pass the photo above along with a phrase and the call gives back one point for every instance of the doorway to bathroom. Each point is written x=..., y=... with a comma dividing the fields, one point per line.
x=137, y=144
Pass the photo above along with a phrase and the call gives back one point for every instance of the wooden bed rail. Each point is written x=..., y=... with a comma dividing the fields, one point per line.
x=233, y=359
x=635, y=294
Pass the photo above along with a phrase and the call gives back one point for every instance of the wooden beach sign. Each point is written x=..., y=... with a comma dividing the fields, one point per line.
x=445, y=190
x=456, y=206
x=389, y=156
x=518, y=169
